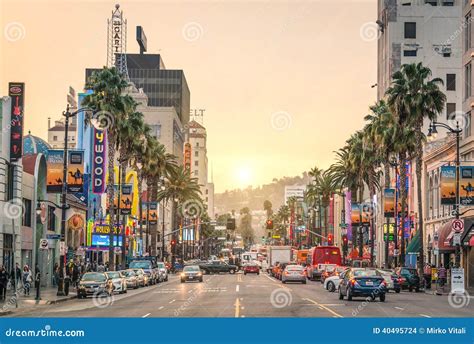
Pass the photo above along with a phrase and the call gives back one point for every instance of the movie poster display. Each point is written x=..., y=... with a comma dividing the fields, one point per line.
x=466, y=185
x=126, y=199
x=389, y=202
x=75, y=171
x=448, y=185
x=355, y=214
x=54, y=165
x=153, y=213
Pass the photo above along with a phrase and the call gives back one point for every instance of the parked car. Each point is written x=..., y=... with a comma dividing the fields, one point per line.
x=251, y=268
x=362, y=282
x=149, y=267
x=331, y=283
x=408, y=278
x=392, y=279
x=191, y=273
x=131, y=278
x=293, y=273
x=163, y=271
x=142, y=278
x=118, y=280
x=94, y=283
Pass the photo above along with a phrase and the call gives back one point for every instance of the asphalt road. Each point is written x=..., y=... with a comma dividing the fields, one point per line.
x=241, y=295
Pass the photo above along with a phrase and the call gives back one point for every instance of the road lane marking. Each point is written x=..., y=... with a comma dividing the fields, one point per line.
x=161, y=307
x=172, y=301
x=400, y=308
x=237, y=288
x=424, y=315
x=146, y=315
x=326, y=308
x=237, y=308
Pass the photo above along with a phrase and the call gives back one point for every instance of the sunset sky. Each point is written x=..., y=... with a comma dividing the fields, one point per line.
x=283, y=83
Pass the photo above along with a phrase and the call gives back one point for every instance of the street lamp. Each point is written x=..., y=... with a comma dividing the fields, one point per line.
x=432, y=132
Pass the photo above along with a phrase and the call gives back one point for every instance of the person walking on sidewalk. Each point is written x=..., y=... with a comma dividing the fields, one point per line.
x=3, y=283
x=27, y=278
x=17, y=275
x=442, y=274
x=427, y=275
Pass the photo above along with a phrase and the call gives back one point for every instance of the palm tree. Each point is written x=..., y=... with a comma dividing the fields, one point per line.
x=107, y=101
x=412, y=97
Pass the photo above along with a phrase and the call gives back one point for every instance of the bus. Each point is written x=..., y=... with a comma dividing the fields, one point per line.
x=321, y=255
x=301, y=256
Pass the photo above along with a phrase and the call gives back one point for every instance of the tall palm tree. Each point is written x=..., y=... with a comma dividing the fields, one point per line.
x=412, y=97
x=108, y=101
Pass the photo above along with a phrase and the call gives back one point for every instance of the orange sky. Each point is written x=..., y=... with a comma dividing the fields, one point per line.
x=284, y=83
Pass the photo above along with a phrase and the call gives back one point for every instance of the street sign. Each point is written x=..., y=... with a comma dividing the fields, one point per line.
x=343, y=225
x=44, y=245
x=220, y=228
x=457, y=225
x=221, y=238
x=276, y=237
x=457, y=239
x=53, y=236
x=213, y=223
x=457, y=280
x=395, y=252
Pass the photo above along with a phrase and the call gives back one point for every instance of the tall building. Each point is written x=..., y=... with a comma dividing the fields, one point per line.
x=56, y=135
x=199, y=163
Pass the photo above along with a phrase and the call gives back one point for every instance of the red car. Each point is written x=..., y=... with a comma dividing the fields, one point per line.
x=251, y=269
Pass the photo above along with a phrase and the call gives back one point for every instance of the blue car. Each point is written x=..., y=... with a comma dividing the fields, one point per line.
x=365, y=282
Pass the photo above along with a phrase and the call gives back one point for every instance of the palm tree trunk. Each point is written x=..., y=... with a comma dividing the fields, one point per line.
x=387, y=186
x=154, y=227
x=419, y=170
x=140, y=205
x=361, y=234
x=403, y=196
x=122, y=178
x=110, y=195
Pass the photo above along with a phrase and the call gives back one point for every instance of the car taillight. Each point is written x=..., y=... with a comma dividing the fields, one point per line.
x=400, y=280
x=353, y=281
x=384, y=283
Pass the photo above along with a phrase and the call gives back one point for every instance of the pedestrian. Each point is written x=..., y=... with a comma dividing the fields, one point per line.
x=17, y=275
x=442, y=276
x=3, y=283
x=56, y=274
x=427, y=275
x=75, y=275
x=27, y=278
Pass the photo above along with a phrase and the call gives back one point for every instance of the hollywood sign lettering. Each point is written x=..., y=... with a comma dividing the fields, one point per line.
x=98, y=171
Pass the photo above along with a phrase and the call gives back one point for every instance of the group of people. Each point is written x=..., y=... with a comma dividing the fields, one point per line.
x=16, y=279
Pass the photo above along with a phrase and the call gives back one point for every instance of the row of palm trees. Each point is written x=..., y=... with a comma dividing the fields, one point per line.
x=132, y=144
x=392, y=135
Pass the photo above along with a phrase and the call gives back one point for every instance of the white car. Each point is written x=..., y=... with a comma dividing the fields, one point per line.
x=118, y=280
x=163, y=271
x=332, y=283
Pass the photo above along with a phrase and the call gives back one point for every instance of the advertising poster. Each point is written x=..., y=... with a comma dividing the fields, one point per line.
x=99, y=161
x=348, y=214
x=448, y=185
x=153, y=213
x=144, y=212
x=466, y=185
x=16, y=90
x=355, y=214
x=75, y=171
x=391, y=231
x=367, y=213
x=54, y=165
x=187, y=156
x=389, y=202
x=126, y=199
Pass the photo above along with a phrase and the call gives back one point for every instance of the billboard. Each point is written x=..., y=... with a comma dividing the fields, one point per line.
x=296, y=191
x=126, y=199
x=54, y=166
x=355, y=214
x=144, y=212
x=16, y=90
x=448, y=185
x=389, y=202
x=75, y=171
x=466, y=185
x=187, y=156
x=99, y=161
x=153, y=213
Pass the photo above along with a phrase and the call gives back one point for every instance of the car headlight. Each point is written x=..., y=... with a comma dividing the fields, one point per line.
x=102, y=285
x=199, y=274
x=183, y=274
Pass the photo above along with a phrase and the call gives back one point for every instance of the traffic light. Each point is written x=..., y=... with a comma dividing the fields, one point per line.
x=230, y=224
x=330, y=239
x=345, y=243
x=173, y=242
x=269, y=224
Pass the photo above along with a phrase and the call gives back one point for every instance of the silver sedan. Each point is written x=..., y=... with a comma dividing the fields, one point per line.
x=293, y=273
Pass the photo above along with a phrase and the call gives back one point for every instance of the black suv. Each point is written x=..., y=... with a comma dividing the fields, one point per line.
x=408, y=278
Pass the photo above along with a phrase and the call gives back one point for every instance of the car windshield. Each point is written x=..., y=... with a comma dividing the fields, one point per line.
x=129, y=273
x=113, y=274
x=191, y=268
x=140, y=265
x=365, y=273
x=94, y=277
x=161, y=265
x=138, y=272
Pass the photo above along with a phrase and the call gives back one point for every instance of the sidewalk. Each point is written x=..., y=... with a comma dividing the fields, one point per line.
x=47, y=297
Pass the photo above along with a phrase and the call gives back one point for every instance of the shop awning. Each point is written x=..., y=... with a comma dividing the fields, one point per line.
x=445, y=234
x=414, y=245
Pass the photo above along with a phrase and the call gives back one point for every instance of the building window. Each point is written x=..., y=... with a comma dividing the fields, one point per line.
x=450, y=110
x=196, y=153
x=156, y=130
x=196, y=163
x=27, y=214
x=467, y=35
x=410, y=30
x=467, y=130
x=450, y=82
x=55, y=138
x=431, y=2
x=197, y=144
x=467, y=82
x=51, y=219
x=409, y=52
x=196, y=172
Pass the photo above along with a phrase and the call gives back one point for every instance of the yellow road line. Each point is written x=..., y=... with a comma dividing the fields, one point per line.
x=237, y=308
x=324, y=307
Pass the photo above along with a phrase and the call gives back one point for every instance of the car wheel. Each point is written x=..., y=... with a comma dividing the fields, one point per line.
x=382, y=297
x=304, y=281
x=397, y=291
x=200, y=280
x=417, y=289
x=166, y=279
x=410, y=289
x=341, y=297
x=182, y=281
x=283, y=281
x=348, y=294
x=232, y=271
x=245, y=273
x=331, y=287
x=258, y=273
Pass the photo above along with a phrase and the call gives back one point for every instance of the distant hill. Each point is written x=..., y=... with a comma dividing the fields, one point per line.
x=254, y=197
